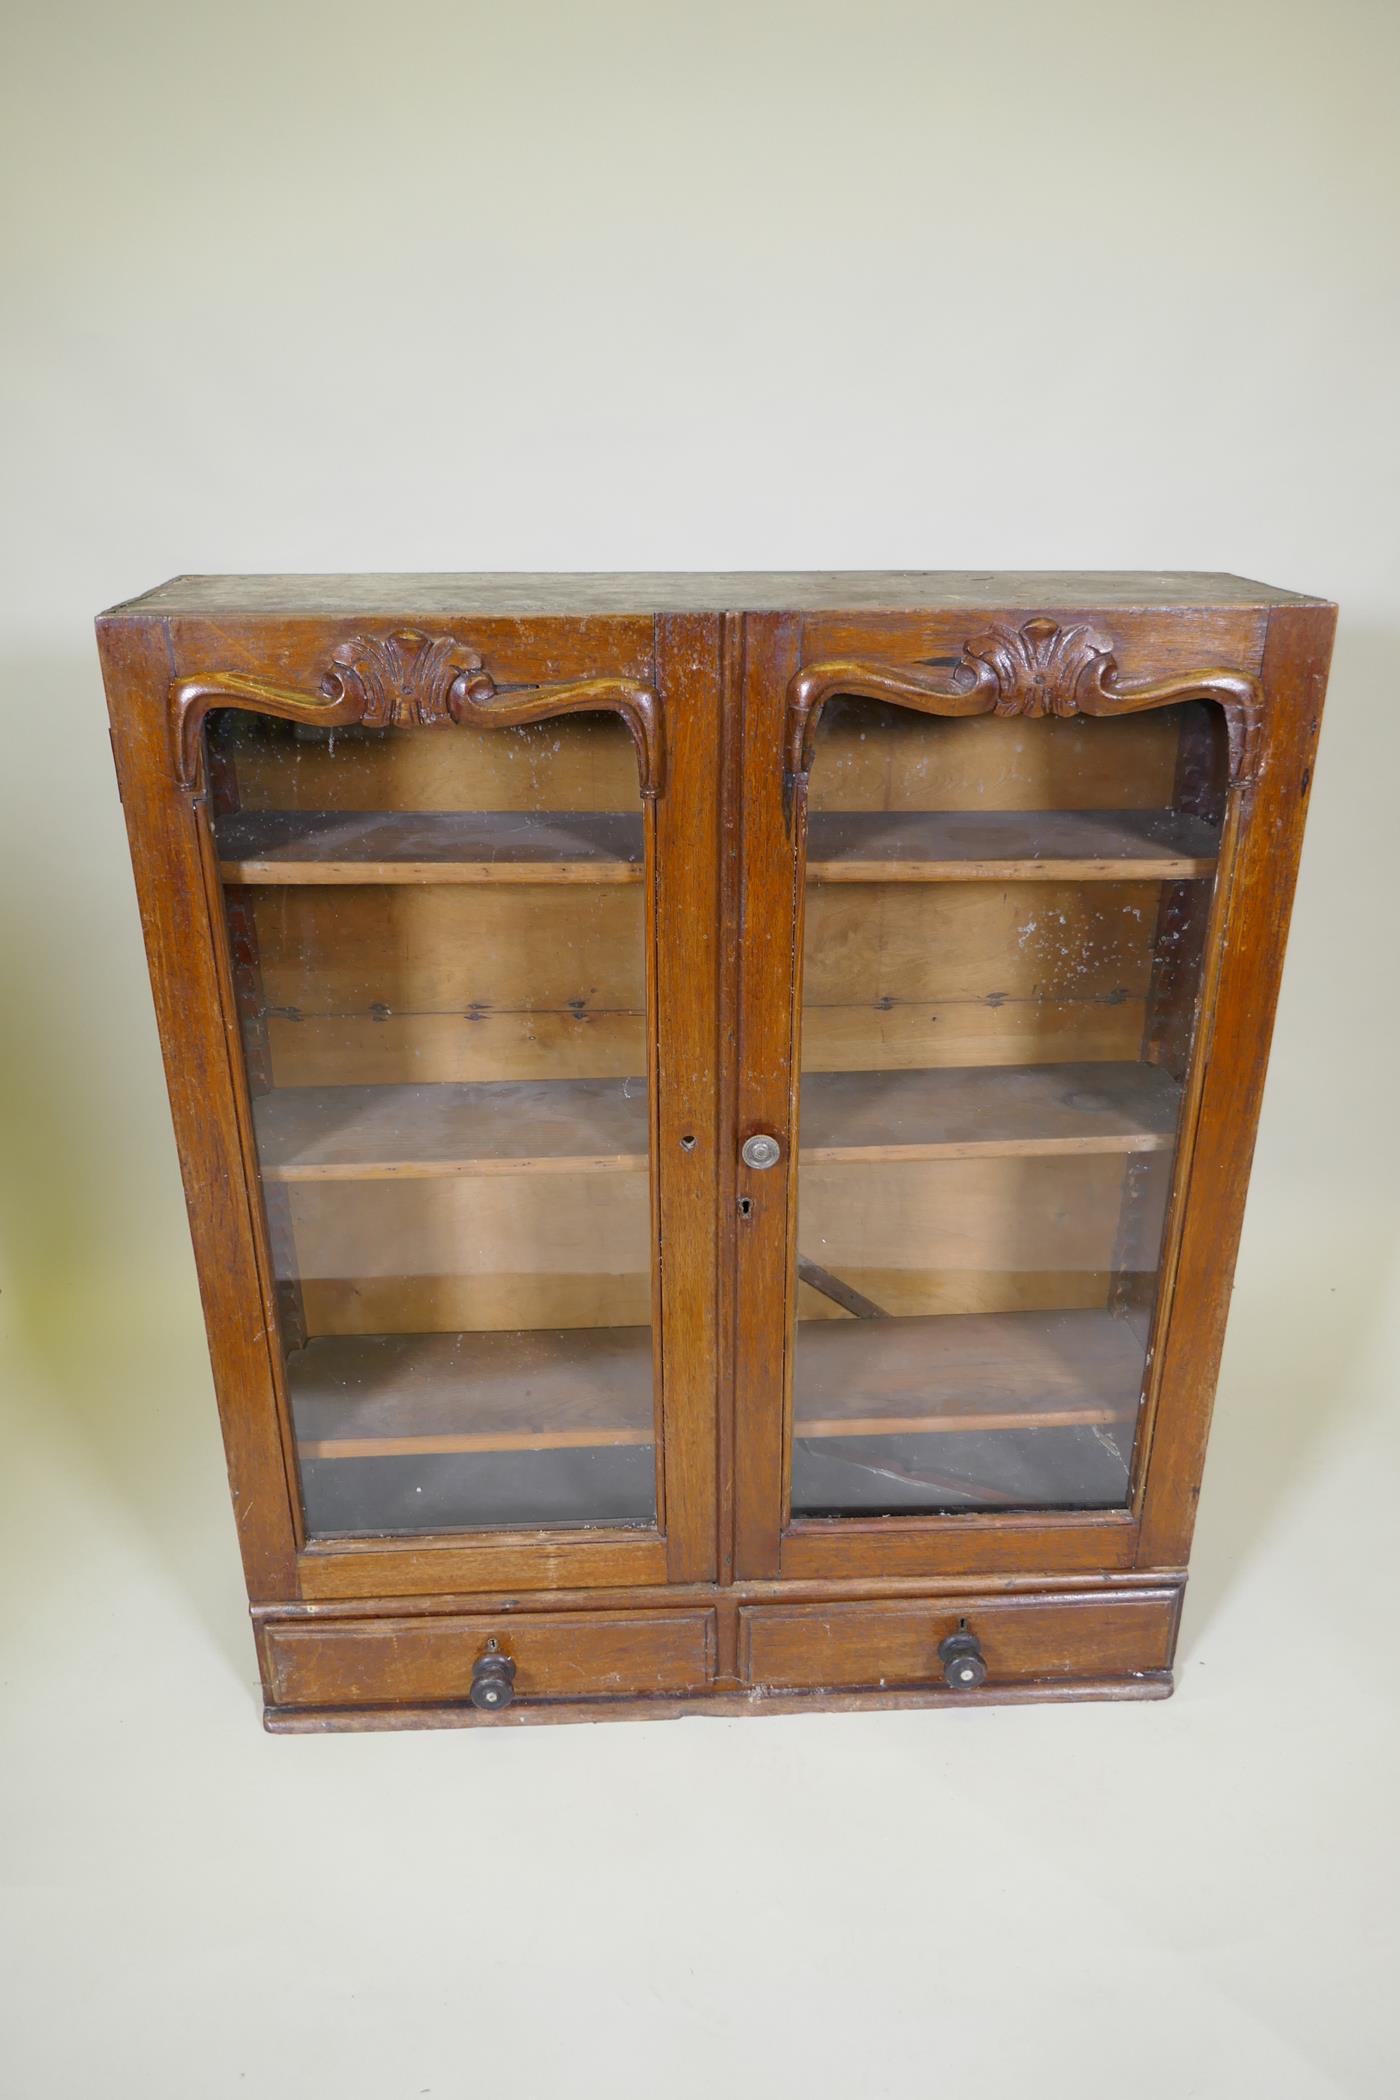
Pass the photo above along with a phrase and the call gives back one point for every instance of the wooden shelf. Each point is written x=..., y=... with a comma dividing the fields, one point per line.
x=964, y=1371
x=359, y=846
x=591, y=1126
x=404, y=1133
x=1062, y=845
x=988, y=1111
x=399, y=1395
x=418, y=846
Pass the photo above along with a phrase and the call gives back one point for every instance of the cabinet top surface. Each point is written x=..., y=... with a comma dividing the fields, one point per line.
x=520, y=595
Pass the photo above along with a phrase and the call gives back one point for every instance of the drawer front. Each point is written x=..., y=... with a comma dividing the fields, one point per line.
x=1023, y=1640
x=565, y=1655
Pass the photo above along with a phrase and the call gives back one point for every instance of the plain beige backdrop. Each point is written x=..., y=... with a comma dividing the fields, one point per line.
x=492, y=286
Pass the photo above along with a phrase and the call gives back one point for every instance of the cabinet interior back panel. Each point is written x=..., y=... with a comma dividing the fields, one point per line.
x=975, y=973
x=587, y=763
x=505, y=1251
x=875, y=757
x=386, y=985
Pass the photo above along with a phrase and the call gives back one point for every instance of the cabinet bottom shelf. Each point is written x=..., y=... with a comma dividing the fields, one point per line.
x=609, y=1485
x=1007, y=1469
x=952, y=1412
x=432, y=1432
x=549, y=1489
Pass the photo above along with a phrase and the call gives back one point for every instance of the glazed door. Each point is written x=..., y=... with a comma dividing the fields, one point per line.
x=963, y=1135
x=474, y=1119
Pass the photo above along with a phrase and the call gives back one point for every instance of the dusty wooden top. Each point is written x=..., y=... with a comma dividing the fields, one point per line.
x=518, y=595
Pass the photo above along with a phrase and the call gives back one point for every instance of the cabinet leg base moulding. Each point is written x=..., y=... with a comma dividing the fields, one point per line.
x=715, y=1113
x=290, y=1720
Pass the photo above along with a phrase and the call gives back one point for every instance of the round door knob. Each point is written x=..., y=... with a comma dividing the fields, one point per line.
x=964, y=1666
x=493, y=1681
x=761, y=1151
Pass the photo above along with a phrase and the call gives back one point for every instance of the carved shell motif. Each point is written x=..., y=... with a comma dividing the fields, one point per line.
x=1040, y=668
x=405, y=678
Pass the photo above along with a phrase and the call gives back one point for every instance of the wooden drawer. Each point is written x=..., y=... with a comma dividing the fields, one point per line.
x=429, y=1661
x=1024, y=1640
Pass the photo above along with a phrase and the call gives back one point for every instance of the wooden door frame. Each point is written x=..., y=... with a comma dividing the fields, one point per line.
x=1287, y=649
x=145, y=661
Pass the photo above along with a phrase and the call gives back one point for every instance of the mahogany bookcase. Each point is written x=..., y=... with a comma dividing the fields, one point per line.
x=715, y=1112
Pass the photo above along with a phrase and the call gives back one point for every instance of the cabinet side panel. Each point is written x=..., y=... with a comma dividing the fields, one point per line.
x=1294, y=676
x=198, y=1040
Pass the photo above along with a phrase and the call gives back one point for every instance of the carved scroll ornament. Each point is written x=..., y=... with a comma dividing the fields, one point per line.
x=406, y=679
x=1037, y=669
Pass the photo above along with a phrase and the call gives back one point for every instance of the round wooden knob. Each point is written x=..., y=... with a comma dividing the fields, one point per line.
x=493, y=1681
x=964, y=1665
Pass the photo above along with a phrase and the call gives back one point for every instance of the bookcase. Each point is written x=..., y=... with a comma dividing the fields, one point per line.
x=715, y=1113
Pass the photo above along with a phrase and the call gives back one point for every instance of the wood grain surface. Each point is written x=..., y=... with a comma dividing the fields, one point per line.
x=465, y=1020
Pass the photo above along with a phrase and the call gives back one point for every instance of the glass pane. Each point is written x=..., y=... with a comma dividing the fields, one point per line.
x=1005, y=923
x=440, y=952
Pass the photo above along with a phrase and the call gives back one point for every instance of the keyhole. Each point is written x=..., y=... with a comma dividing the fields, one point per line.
x=687, y=1144
x=745, y=1206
